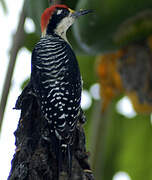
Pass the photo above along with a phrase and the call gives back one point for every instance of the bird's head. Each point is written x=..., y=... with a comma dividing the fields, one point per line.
x=58, y=18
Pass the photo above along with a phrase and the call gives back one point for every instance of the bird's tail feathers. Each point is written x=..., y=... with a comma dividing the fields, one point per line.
x=63, y=153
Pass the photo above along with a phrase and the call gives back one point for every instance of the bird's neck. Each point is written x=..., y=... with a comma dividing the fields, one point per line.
x=61, y=33
x=63, y=26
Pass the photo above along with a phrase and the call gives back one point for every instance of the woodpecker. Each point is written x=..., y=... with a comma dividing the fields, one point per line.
x=55, y=77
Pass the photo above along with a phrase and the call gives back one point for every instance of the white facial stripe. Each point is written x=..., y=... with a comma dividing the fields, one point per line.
x=64, y=25
x=59, y=12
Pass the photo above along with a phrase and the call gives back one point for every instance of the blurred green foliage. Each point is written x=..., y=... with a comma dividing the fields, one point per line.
x=3, y=5
x=127, y=142
x=128, y=146
x=109, y=21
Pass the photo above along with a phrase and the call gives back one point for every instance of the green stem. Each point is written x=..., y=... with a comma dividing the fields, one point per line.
x=98, y=140
x=16, y=45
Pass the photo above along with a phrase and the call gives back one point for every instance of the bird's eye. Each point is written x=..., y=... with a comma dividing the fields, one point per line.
x=62, y=12
x=66, y=12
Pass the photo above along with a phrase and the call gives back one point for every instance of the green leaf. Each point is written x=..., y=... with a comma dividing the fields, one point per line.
x=25, y=82
x=30, y=40
x=87, y=68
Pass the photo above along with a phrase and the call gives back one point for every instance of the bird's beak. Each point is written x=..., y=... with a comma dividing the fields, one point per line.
x=76, y=14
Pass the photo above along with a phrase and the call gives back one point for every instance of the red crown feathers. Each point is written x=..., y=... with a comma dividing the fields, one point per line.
x=48, y=13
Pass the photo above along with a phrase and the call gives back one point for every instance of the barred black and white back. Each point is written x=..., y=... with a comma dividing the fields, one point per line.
x=57, y=82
